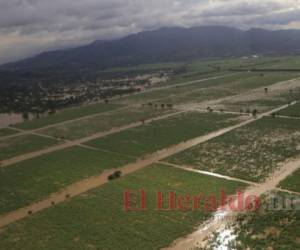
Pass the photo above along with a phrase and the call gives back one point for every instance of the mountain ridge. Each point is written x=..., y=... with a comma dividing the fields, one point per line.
x=164, y=45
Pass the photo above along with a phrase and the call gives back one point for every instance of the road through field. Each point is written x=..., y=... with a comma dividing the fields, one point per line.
x=79, y=142
x=222, y=217
x=33, y=131
x=97, y=181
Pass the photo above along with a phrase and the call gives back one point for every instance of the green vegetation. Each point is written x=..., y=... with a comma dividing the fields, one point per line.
x=293, y=111
x=263, y=79
x=7, y=131
x=11, y=147
x=32, y=180
x=175, y=90
x=251, y=152
x=292, y=182
x=266, y=228
x=157, y=135
x=97, y=220
x=68, y=114
x=104, y=122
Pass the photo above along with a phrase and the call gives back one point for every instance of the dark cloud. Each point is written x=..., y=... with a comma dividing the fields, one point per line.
x=30, y=26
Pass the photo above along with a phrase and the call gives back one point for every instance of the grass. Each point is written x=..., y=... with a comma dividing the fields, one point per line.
x=97, y=220
x=11, y=147
x=161, y=134
x=263, y=229
x=32, y=180
x=67, y=114
x=7, y=132
x=292, y=182
x=251, y=152
x=104, y=122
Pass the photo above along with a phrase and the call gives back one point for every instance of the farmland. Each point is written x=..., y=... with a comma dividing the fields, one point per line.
x=7, y=131
x=30, y=181
x=292, y=182
x=157, y=135
x=67, y=114
x=216, y=125
x=263, y=229
x=251, y=152
x=104, y=122
x=293, y=111
x=10, y=147
x=101, y=212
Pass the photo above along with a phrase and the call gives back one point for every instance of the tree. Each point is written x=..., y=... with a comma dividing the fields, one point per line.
x=254, y=112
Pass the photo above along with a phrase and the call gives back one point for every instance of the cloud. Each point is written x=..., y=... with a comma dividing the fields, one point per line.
x=28, y=27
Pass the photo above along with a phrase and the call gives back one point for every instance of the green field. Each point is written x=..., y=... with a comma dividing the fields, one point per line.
x=104, y=122
x=293, y=111
x=292, y=182
x=263, y=79
x=18, y=145
x=157, y=135
x=67, y=114
x=7, y=131
x=32, y=180
x=97, y=220
x=263, y=229
x=166, y=93
x=251, y=152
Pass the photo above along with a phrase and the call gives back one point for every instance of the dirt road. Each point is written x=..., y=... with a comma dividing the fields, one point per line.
x=97, y=181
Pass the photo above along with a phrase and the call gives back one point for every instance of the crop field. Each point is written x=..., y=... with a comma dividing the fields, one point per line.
x=235, y=86
x=83, y=199
x=263, y=229
x=263, y=80
x=282, y=63
x=293, y=111
x=291, y=183
x=179, y=90
x=251, y=152
x=31, y=180
x=7, y=131
x=22, y=144
x=97, y=220
x=67, y=114
x=157, y=135
x=104, y=122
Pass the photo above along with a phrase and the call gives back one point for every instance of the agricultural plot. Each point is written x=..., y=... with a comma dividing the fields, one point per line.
x=11, y=147
x=291, y=183
x=263, y=229
x=252, y=152
x=157, y=135
x=67, y=114
x=293, y=111
x=196, y=97
x=179, y=90
x=32, y=180
x=234, y=85
x=263, y=80
x=104, y=122
x=7, y=131
x=97, y=220
x=263, y=99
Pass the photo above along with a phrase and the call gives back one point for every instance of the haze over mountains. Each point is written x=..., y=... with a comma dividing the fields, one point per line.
x=167, y=44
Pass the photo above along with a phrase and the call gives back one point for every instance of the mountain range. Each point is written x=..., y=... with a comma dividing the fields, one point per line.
x=164, y=45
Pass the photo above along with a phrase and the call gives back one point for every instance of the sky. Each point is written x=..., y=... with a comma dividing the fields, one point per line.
x=28, y=27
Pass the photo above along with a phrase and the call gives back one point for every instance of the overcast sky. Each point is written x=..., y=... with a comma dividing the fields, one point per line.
x=28, y=27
